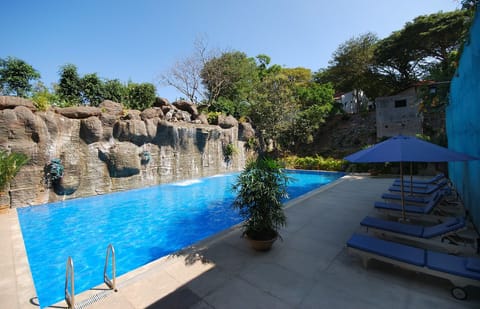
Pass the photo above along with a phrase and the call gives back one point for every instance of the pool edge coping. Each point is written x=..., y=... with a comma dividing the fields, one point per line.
x=25, y=287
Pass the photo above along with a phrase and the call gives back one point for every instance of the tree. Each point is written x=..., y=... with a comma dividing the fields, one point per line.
x=469, y=5
x=232, y=75
x=185, y=74
x=264, y=68
x=92, y=89
x=69, y=87
x=299, y=76
x=274, y=107
x=315, y=105
x=350, y=67
x=425, y=43
x=140, y=96
x=114, y=90
x=16, y=77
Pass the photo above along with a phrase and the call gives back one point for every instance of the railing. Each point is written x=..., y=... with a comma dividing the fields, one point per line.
x=111, y=283
x=69, y=274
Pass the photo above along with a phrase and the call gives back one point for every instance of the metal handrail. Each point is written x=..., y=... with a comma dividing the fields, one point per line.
x=111, y=283
x=69, y=273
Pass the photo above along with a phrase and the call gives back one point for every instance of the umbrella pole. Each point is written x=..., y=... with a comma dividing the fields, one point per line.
x=411, y=178
x=401, y=188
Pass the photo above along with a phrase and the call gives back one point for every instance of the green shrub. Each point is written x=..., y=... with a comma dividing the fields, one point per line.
x=229, y=150
x=251, y=144
x=212, y=117
x=41, y=101
x=10, y=164
x=314, y=163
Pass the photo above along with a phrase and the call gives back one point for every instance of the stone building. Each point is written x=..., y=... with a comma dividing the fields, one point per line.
x=399, y=114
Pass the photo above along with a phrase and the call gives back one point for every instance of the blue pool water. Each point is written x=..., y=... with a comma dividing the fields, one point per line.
x=143, y=225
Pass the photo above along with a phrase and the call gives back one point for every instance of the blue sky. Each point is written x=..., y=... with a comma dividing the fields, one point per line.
x=140, y=39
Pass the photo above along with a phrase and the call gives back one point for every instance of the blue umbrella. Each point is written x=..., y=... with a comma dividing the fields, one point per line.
x=406, y=149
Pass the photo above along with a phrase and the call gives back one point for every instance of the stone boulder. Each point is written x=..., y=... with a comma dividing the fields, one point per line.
x=91, y=130
x=132, y=114
x=180, y=115
x=245, y=131
x=12, y=102
x=227, y=122
x=201, y=119
x=111, y=107
x=168, y=108
x=159, y=102
x=79, y=112
x=19, y=125
x=122, y=160
x=152, y=112
x=134, y=131
x=187, y=107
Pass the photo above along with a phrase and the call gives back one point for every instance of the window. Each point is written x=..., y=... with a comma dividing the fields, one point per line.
x=400, y=103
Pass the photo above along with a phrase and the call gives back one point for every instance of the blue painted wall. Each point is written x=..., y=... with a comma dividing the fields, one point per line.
x=463, y=122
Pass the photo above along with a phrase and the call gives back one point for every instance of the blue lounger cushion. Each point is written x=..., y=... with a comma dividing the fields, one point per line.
x=449, y=225
x=427, y=190
x=407, y=198
x=392, y=226
x=415, y=186
x=473, y=264
x=432, y=180
x=398, y=207
x=388, y=249
x=452, y=264
x=412, y=208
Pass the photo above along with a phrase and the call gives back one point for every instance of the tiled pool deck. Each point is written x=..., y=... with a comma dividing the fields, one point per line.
x=310, y=268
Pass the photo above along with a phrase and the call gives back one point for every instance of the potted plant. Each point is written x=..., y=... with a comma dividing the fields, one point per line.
x=260, y=189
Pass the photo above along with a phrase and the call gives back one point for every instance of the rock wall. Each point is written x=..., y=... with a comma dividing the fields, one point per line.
x=109, y=149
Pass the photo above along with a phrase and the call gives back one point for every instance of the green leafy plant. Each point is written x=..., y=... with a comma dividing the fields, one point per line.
x=261, y=188
x=212, y=117
x=314, y=163
x=229, y=150
x=251, y=143
x=41, y=101
x=10, y=164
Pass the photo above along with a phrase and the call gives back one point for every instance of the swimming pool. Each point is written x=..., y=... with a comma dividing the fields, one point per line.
x=143, y=225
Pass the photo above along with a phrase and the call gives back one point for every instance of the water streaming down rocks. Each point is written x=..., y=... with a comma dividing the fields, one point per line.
x=105, y=149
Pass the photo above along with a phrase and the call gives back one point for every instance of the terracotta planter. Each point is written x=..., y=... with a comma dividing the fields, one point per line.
x=261, y=245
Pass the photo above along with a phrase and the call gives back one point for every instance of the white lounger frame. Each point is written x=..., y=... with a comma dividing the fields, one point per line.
x=433, y=242
x=458, y=282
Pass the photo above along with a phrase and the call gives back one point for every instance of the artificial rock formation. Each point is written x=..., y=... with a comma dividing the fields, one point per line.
x=105, y=149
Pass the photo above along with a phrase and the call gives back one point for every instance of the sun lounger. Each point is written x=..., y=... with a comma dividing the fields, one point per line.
x=436, y=206
x=408, y=198
x=411, y=209
x=420, y=199
x=460, y=271
x=444, y=235
x=428, y=189
x=418, y=181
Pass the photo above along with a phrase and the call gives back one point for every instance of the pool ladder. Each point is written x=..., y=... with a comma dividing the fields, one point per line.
x=111, y=283
x=70, y=276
